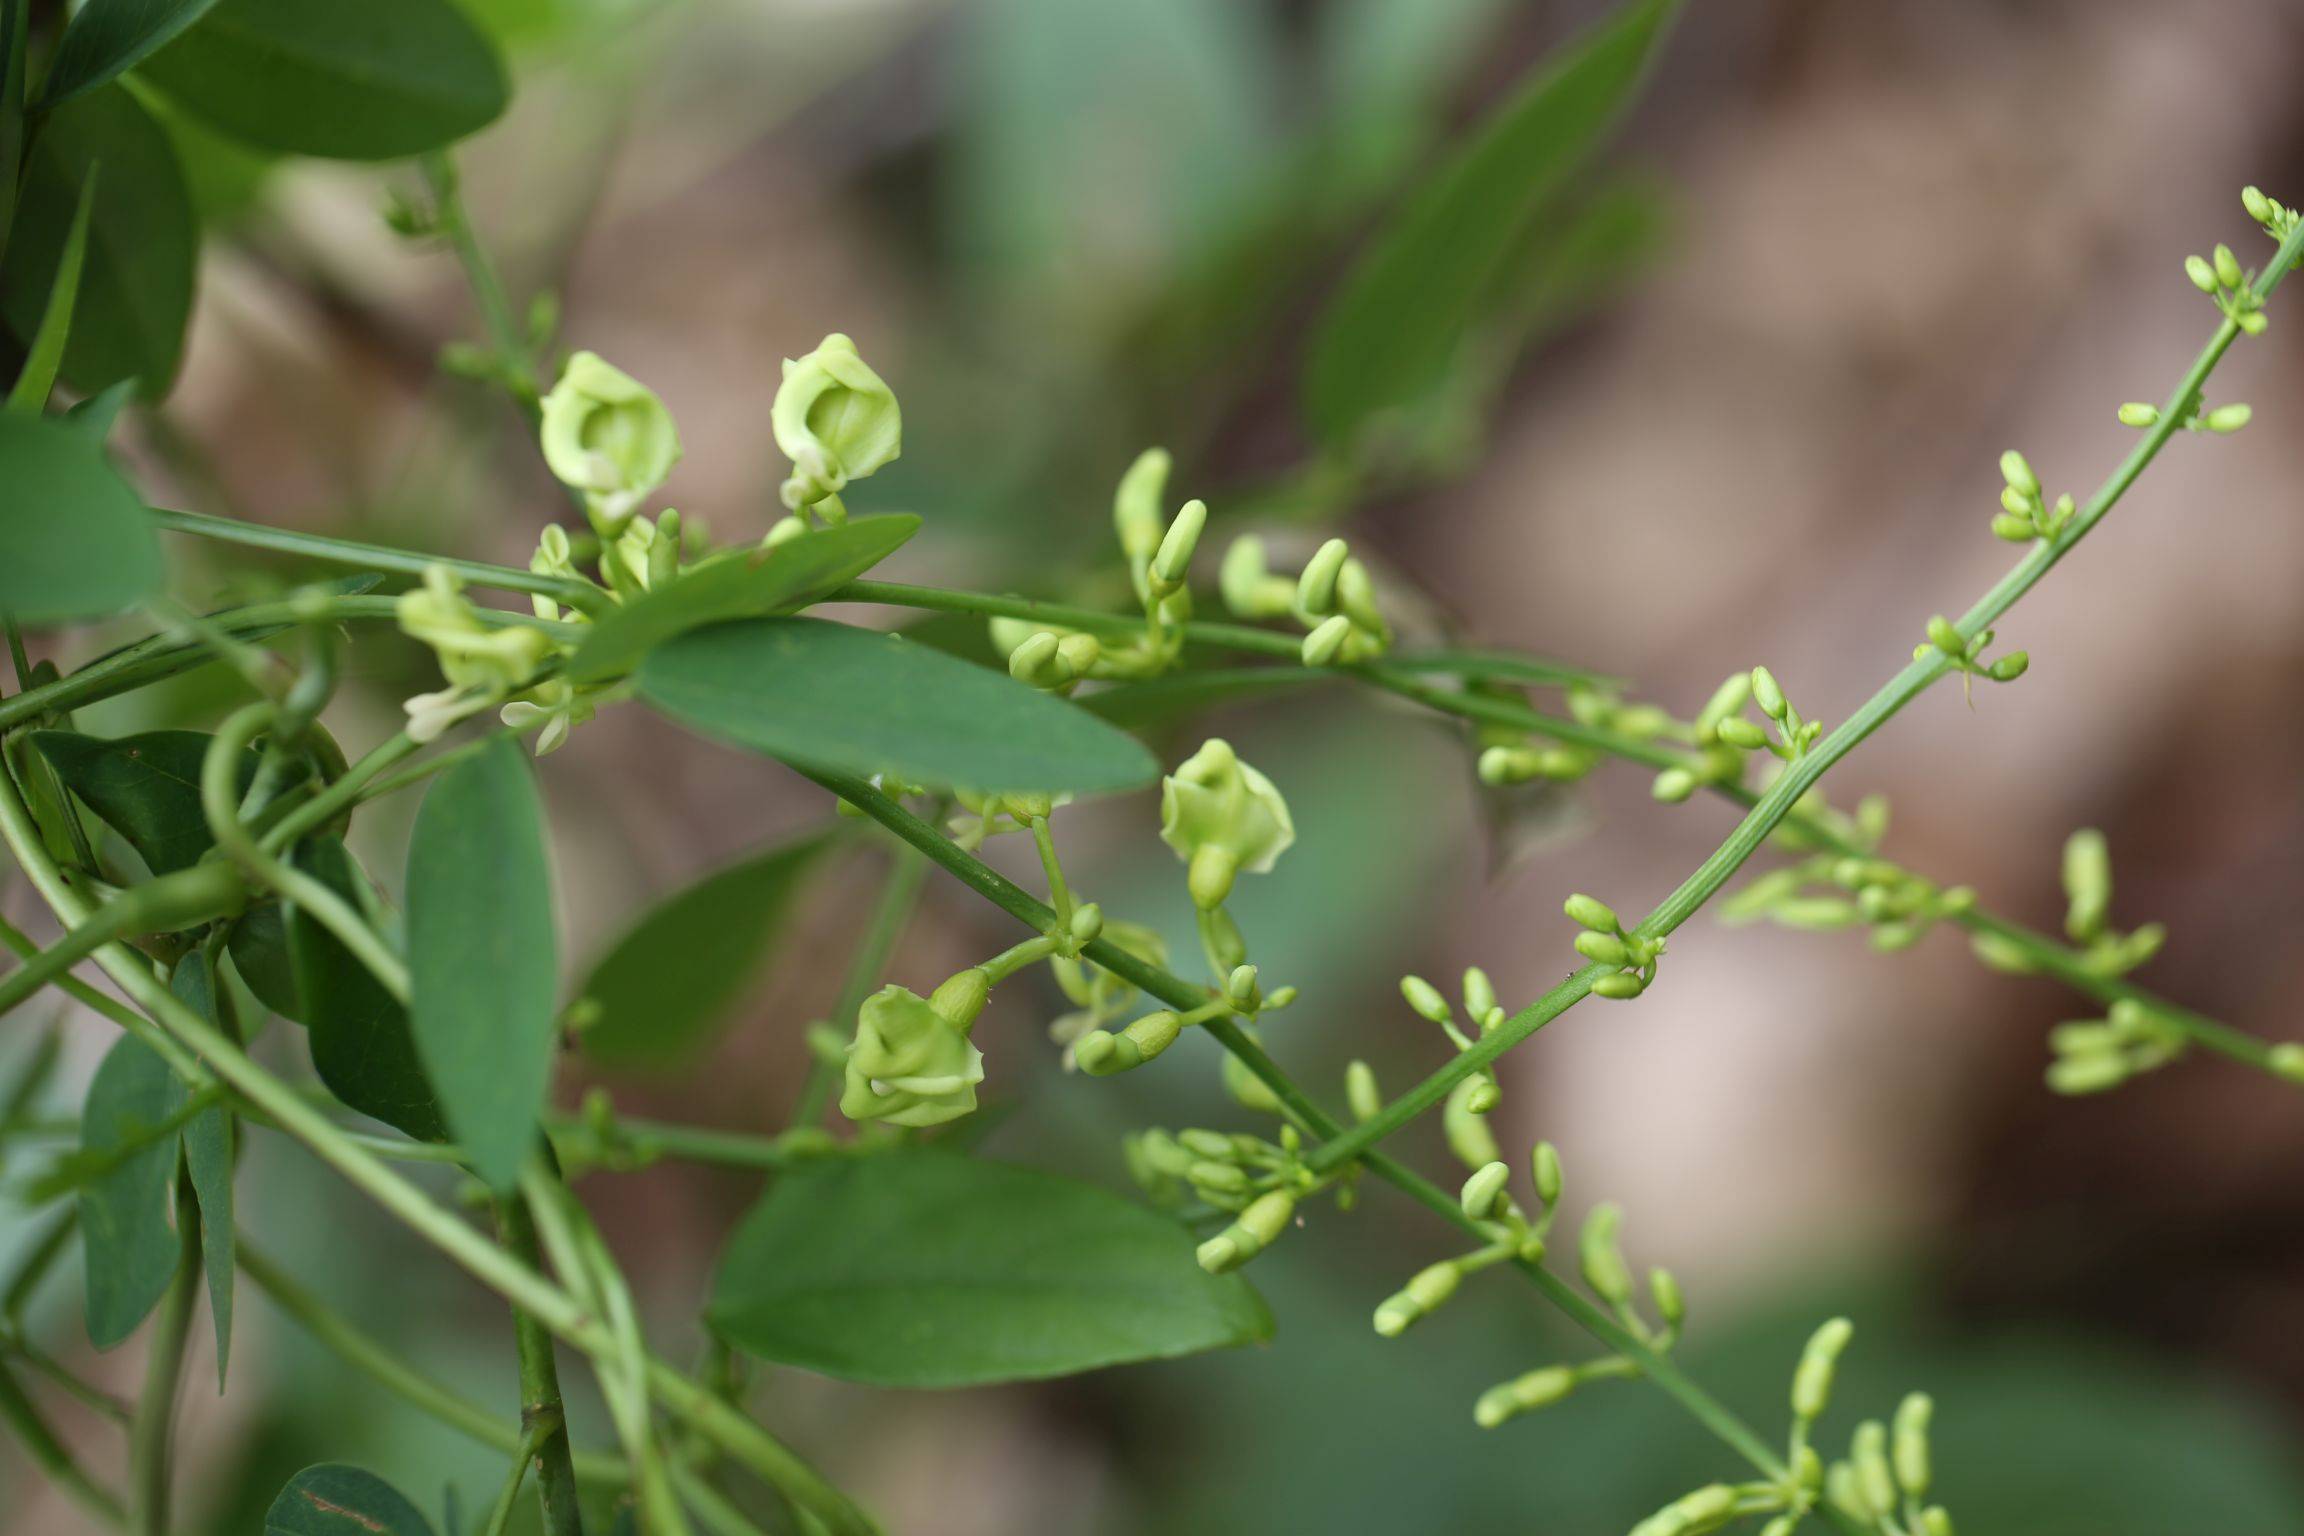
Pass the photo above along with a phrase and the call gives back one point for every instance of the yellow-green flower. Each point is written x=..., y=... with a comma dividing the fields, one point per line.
x=836, y=420
x=606, y=435
x=909, y=1064
x=482, y=663
x=1223, y=818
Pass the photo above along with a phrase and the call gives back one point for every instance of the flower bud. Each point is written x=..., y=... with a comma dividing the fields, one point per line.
x=1935, y=1520
x=1101, y=1055
x=1601, y=1259
x=2255, y=322
x=1479, y=995
x=1523, y=1394
x=2010, y=667
x=1673, y=785
x=1592, y=913
x=1426, y=1292
x=2137, y=413
x=1254, y=1230
x=1362, y=1094
x=1425, y=999
x=1483, y=1192
x=1605, y=948
x=2087, y=873
x=1767, y=694
x=1326, y=641
x=1466, y=1133
x=1819, y=1362
x=1909, y=1446
x=2203, y=275
x=1173, y=560
x=606, y=435
x=1946, y=637
x=1671, y=1303
x=2228, y=268
x=2260, y=208
x=1249, y=589
x=1356, y=596
x=1739, y=732
x=1136, y=505
x=1620, y=986
x=2228, y=419
x=962, y=996
x=2287, y=1061
x=2076, y=1076
x=835, y=419
x=1869, y=1452
x=1087, y=923
x=1545, y=1165
x=1316, y=587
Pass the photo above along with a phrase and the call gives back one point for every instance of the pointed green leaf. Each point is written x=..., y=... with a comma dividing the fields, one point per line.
x=93, y=417
x=483, y=956
x=851, y=700
x=258, y=945
x=108, y=36
x=75, y=541
x=15, y=27
x=132, y=1246
x=362, y=1046
x=663, y=990
x=29, y=395
x=923, y=1269
x=341, y=79
x=336, y=1500
x=143, y=242
x=208, y=1159
x=1391, y=336
x=741, y=584
x=146, y=788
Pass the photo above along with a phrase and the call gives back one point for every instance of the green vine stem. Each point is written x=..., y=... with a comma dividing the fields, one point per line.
x=151, y=1435
x=543, y=1417
x=377, y=557
x=49, y=1454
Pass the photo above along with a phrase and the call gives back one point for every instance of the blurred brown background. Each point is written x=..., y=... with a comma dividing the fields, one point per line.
x=1890, y=240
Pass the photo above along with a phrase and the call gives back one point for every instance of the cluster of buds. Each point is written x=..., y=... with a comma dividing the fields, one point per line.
x=1794, y=735
x=983, y=816
x=1508, y=756
x=1718, y=759
x=2098, y=1055
x=2105, y=951
x=484, y=663
x=1606, y=941
x=1965, y=654
x=2222, y=278
x=1463, y=1118
x=1600, y=1262
x=1261, y=1183
x=2222, y=420
x=2278, y=220
x=837, y=421
x=1334, y=598
x=1883, y=1483
x=1827, y=892
x=2025, y=512
x=1100, y=998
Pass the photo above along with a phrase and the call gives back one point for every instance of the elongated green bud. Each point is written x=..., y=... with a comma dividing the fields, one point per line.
x=1423, y=1295
x=1214, y=1145
x=1845, y=1490
x=2087, y=875
x=1483, y=1193
x=1671, y=1304
x=1240, y=986
x=1768, y=695
x=2228, y=419
x=1468, y=1135
x=1946, y=637
x=1620, y=986
x=2287, y=1061
x=1241, y=577
x=1425, y=999
x=1605, y=948
x=2076, y=1076
x=1256, y=1229
x=1479, y=995
x=1316, y=588
x=1935, y=1520
x=1869, y=1452
x=1601, y=1259
x=2010, y=667
x=1819, y=1362
x=1361, y=1092
x=1100, y=1054
x=2017, y=471
x=1326, y=641
x=1523, y=1394
x=2228, y=268
x=1674, y=785
x=1908, y=1447
x=963, y=996
x=1592, y=913
x=1136, y=505
x=2137, y=413
x=2016, y=530
x=1741, y=733
x=1174, y=557
x=2260, y=208
x=1545, y=1166
x=1356, y=596
x=2203, y=275
x=1087, y=923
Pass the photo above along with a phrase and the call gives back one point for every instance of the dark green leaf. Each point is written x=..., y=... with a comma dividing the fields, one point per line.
x=208, y=1159
x=663, y=990
x=336, y=1500
x=75, y=542
x=483, y=956
x=108, y=36
x=741, y=584
x=146, y=788
x=342, y=79
x=1158, y=701
x=361, y=1043
x=1393, y=333
x=921, y=1269
x=258, y=945
x=15, y=27
x=850, y=700
x=132, y=1246
x=93, y=417
x=29, y=394
x=143, y=242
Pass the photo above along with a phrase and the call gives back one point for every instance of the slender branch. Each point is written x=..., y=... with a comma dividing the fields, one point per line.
x=513, y=353
x=49, y=1455
x=363, y=556
x=151, y=1436
x=542, y=1415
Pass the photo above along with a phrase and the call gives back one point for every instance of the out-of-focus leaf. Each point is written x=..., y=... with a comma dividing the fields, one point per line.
x=258, y=945
x=132, y=1245
x=336, y=1500
x=484, y=955
x=1159, y=701
x=341, y=79
x=93, y=417
x=143, y=242
x=75, y=542
x=1385, y=69
x=146, y=788
x=362, y=1046
x=208, y=1159
x=740, y=584
x=224, y=175
x=1395, y=330
x=663, y=990
x=1107, y=140
x=831, y=696
x=923, y=1269
x=29, y=394
x=108, y=36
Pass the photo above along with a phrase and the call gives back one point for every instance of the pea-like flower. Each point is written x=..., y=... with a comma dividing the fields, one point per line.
x=605, y=434
x=836, y=420
x=557, y=702
x=1223, y=818
x=910, y=1064
x=482, y=663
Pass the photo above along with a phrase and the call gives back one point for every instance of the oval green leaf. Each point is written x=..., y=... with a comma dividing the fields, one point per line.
x=740, y=584
x=143, y=242
x=831, y=696
x=922, y=1269
x=483, y=956
x=124, y=1216
x=146, y=788
x=1394, y=332
x=362, y=1046
x=108, y=36
x=663, y=990
x=340, y=79
x=336, y=1500
x=75, y=542
x=208, y=1160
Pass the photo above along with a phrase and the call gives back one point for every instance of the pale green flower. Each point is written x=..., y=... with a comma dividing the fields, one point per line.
x=1223, y=818
x=836, y=420
x=482, y=663
x=909, y=1064
x=606, y=435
